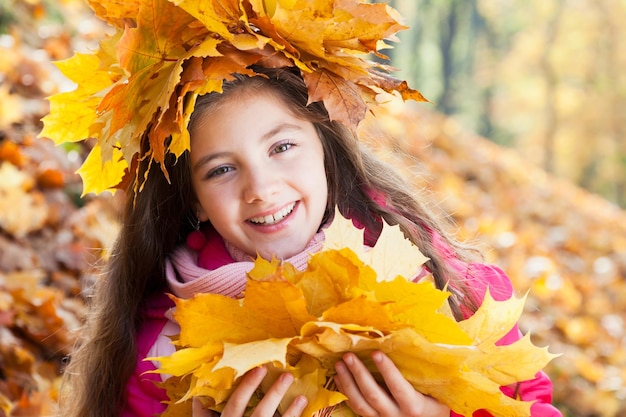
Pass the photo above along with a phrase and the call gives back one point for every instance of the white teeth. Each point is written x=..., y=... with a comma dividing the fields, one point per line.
x=274, y=218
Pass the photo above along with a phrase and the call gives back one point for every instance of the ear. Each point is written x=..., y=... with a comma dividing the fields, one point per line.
x=200, y=213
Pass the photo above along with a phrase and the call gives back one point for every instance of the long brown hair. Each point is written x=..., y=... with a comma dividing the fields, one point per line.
x=157, y=219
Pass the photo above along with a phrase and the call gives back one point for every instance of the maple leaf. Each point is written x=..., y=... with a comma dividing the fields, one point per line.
x=217, y=17
x=339, y=96
x=72, y=113
x=227, y=318
x=303, y=322
x=490, y=323
x=183, y=362
x=393, y=255
x=117, y=13
x=422, y=306
x=175, y=407
x=243, y=357
x=99, y=173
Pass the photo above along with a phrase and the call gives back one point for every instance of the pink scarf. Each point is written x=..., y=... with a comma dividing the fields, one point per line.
x=207, y=264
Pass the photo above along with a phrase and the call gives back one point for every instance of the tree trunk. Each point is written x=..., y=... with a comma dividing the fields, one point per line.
x=551, y=81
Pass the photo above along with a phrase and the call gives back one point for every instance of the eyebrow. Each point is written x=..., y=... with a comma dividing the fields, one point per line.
x=272, y=132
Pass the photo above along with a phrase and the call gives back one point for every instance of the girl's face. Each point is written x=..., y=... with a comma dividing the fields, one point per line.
x=258, y=173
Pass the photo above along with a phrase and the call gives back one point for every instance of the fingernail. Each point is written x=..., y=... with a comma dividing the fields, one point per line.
x=377, y=356
x=301, y=401
x=348, y=359
x=286, y=378
x=340, y=367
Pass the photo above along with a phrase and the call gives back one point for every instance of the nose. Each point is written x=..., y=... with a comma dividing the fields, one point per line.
x=261, y=184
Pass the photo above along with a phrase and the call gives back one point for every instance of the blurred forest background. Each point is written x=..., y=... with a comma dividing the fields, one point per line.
x=545, y=77
x=523, y=145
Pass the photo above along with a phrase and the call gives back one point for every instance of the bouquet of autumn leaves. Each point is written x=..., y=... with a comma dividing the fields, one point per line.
x=349, y=299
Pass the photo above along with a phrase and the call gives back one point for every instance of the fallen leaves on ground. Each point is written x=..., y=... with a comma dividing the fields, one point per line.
x=50, y=240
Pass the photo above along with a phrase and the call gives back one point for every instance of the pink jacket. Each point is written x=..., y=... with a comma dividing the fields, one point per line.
x=144, y=399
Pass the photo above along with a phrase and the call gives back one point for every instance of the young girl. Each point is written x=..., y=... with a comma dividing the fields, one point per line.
x=264, y=175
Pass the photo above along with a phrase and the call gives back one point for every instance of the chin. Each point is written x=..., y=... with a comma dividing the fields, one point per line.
x=278, y=254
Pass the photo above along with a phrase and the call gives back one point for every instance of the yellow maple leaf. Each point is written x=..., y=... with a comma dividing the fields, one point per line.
x=422, y=306
x=491, y=323
x=445, y=373
x=98, y=174
x=215, y=385
x=226, y=318
x=72, y=113
x=320, y=291
x=392, y=256
x=184, y=361
x=327, y=341
x=285, y=316
x=342, y=234
x=175, y=408
x=246, y=356
x=365, y=312
x=303, y=322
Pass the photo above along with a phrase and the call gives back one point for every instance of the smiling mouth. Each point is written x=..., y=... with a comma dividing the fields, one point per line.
x=273, y=218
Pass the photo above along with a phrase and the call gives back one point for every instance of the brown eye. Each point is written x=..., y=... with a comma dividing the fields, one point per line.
x=283, y=147
x=221, y=170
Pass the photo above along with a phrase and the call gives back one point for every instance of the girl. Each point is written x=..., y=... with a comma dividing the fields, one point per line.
x=264, y=175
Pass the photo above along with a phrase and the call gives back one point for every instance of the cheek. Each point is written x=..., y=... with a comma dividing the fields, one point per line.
x=217, y=213
x=211, y=204
x=321, y=175
x=319, y=185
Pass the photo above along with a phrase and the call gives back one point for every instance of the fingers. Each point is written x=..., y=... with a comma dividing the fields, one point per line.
x=367, y=398
x=410, y=401
x=365, y=395
x=240, y=398
x=297, y=407
x=401, y=389
x=198, y=410
x=274, y=395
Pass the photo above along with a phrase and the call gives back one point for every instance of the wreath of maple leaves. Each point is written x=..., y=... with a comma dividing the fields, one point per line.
x=144, y=79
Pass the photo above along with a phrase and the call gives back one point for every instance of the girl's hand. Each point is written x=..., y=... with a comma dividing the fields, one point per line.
x=198, y=410
x=268, y=406
x=368, y=399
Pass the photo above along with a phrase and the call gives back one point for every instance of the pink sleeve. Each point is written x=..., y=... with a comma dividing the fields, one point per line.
x=538, y=389
x=144, y=397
